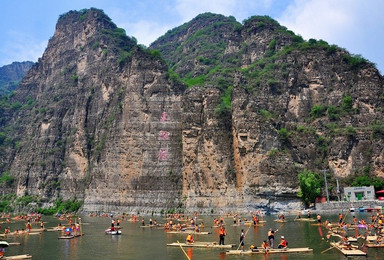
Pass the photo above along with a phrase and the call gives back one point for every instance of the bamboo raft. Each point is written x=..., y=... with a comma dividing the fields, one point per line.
x=271, y=251
x=203, y=245
x=17, y=257
x=280, y=220
x=66, y=237
x=152, y=226
x=20, y=234
x=306, y=219
x=371, y=245
x=70, y=236
x=348, y=252
x=217, y=226
x=33, y=230
x=255, y=225
x=318, y=224
x=54, y=229
x=369, y=238
x=14, y=243
x=189, y=232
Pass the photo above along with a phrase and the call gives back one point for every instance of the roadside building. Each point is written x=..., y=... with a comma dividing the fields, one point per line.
x=359, y=193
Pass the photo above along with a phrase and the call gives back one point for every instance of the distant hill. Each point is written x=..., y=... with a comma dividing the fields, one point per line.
x=11, y=75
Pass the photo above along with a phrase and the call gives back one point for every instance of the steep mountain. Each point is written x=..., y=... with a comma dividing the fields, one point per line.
x=103, y=124
x=272, y=105
x=11, y=75
x=215, y=115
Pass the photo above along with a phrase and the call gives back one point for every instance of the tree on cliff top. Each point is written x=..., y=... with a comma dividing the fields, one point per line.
x=310, y=186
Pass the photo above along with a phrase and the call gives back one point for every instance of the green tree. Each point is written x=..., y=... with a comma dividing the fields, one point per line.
x=6, y=178
x=283, y=134
x=310, y=186
x=361, y=180
x=318, y=111
x=347, y=103
x=366, y=180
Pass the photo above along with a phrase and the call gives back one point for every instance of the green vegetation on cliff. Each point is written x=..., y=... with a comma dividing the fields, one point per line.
x=30, y=203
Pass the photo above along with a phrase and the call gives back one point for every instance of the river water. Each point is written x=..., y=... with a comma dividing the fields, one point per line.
x=146, y=243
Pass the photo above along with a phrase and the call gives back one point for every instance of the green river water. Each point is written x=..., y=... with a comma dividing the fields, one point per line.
x=146, y=243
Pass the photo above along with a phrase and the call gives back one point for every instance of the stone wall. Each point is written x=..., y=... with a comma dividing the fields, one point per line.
x=343, y=205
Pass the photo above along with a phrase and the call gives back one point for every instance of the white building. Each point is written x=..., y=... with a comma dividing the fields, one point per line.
x=359, y=193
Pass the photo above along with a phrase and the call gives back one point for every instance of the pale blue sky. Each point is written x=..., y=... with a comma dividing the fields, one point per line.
x=356, y=25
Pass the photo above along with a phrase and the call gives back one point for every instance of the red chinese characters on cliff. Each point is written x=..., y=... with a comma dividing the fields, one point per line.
x=163, y=136
x=164, y=117
x=163, y=154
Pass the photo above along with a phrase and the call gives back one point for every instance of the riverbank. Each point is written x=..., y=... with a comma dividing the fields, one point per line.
x=342, y=206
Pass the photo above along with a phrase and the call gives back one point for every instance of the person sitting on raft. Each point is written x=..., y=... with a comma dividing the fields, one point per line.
x=189, y=239
x=253, y=248
x=283, y=243
x=265, y=246
x=345, y=243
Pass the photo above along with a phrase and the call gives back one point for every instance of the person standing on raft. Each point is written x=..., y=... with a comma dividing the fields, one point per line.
x=271, y=236
x=222, y=234
x=242, y=237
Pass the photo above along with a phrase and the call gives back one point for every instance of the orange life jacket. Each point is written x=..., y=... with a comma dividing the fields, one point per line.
x=189, y=238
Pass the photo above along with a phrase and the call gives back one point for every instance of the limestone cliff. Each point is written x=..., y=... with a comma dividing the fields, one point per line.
x=294, y=105
x=225, y=121
x=105, y=126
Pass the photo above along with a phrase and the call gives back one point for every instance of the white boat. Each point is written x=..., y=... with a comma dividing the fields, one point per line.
x=112, y=232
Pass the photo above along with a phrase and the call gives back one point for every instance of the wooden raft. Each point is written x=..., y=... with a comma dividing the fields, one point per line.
x=374, y=245
x=306, y=219
x=281, y=220
x=271, y=251
x=189, y=232
x=20, y=234
x=203, y=245
x=348, y=252
x=18, y=257
x=257, y=224
x=152, y=226
x=70, y=236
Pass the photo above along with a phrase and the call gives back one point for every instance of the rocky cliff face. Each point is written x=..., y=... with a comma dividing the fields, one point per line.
x=111, y=123
x=295, y=105
x=105, y=126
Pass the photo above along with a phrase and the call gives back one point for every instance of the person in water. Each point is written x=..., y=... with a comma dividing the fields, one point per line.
x=318, y=217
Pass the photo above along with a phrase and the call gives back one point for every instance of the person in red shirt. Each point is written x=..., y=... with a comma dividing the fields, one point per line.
x=283, y=243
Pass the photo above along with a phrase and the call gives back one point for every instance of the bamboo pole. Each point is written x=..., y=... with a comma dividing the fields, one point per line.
x=185, y=253
x=327, y=249
x=342, y=221
x=279, y=227
x=244, y=237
